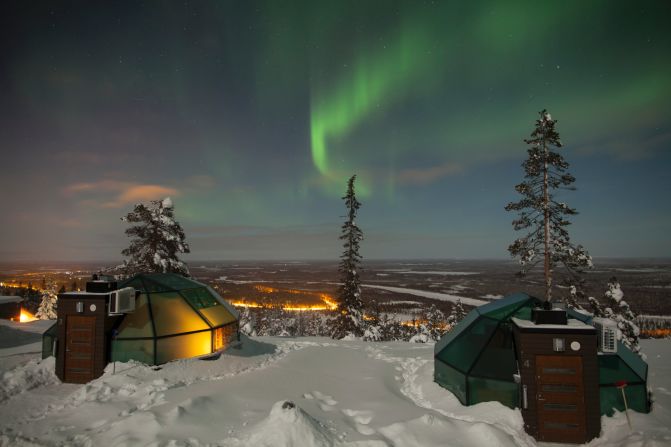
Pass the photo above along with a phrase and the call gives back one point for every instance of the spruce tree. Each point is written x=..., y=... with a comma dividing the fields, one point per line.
x=435, y=323
x=349, y=319
x=543, y=217
x=156, y=241
x=576, y=296
x=373, y=330
x=48, y=304
x=596, y=308
x=457, y=314
x=618, y=310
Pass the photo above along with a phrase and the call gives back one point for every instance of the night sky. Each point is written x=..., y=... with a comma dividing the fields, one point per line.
x=252, y=115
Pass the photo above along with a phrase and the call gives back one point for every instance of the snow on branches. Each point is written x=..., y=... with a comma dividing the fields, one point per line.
x=156, y=240
x=540, y=213
x=48, y=304
x=349, y=322
x=618, y=310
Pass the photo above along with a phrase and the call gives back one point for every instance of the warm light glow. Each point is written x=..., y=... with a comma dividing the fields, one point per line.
x=656, y=333
x=329, y=302
x=15, y=285
x=244, y=304
x=26, y=316
x=302, y=308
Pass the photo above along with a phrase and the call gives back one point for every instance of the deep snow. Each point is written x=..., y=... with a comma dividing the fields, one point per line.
x=274, y=391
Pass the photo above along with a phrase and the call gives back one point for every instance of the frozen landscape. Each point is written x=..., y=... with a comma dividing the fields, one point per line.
x=274, y=391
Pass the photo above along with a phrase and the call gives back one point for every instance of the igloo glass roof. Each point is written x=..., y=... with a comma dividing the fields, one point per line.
x=170, y=304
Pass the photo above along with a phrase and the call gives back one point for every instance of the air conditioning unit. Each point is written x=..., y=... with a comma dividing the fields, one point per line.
x=122, y=301
x=606, y=334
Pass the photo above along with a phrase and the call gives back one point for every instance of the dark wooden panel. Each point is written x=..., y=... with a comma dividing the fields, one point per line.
x=529, y=345
x=560, y=396
x=79, y=348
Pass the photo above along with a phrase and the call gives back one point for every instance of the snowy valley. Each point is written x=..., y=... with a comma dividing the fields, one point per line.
x=275, y=391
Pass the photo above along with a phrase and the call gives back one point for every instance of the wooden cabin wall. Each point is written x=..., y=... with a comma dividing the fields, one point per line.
x=530, y=344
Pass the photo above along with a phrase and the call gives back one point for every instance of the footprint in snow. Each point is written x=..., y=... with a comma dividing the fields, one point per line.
x=326, y=407
x=361, y=419
x=663, y=391
x=359, y=416
x=364, y=429
x=328, y=400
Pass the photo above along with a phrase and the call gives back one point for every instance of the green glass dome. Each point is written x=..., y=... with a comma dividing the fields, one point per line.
x=175, y=317
x=476, y=359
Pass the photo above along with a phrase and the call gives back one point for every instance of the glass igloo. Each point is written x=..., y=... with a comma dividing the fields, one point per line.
x=476, y=359
x=175, y=317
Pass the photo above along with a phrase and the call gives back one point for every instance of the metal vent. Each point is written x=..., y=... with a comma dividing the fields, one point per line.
x=607, y=334
x=122, y=301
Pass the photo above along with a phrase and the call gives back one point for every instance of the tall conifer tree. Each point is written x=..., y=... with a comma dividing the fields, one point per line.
x=349, y=321
x=156, y=240
x=541, y=214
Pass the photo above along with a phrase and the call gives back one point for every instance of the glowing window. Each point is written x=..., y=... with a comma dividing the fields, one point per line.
x=172, y=315
x=223, y=336
x=217, y=315
x=183, y=346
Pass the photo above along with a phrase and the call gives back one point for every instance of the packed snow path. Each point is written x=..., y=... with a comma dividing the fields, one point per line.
x=279, y=392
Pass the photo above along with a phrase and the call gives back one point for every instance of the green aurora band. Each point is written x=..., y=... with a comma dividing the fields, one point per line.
x=375, y=81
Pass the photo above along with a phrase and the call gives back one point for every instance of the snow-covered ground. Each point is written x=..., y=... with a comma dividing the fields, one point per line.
x=432, y=272
x=279, y=392
x=427, y=294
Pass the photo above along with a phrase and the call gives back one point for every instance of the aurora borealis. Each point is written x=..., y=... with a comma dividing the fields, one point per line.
x=252, y=115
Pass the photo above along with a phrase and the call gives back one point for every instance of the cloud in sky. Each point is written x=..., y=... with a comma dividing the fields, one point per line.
x=123, y=193
x=425, y=176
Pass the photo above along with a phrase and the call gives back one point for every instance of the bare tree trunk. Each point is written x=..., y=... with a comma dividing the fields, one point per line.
x=546, y=222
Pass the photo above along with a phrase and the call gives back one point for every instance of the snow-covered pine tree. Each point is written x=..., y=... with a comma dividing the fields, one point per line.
x=349, y=319
x=156, y=241
x=48, y=304
x=373, y=330
x=457, y=314
x=421, y=335
x=540, y=213
x=390, y=329
x=576, y=296
x=596, y=308
x=247, y=322
x=618, y=310
x=436, y=323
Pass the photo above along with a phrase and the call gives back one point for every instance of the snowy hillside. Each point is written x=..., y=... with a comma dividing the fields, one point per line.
x=277, y=392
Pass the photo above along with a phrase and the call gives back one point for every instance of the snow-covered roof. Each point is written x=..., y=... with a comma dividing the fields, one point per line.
x=10, y=299
x=571, y=324
x=84, y=293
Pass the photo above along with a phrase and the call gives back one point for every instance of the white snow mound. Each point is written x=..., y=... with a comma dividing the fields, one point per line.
x=33, y=374
x=288, y=425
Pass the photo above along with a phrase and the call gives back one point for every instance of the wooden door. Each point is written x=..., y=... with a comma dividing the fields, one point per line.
x=560, y=399
x=79, y=348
